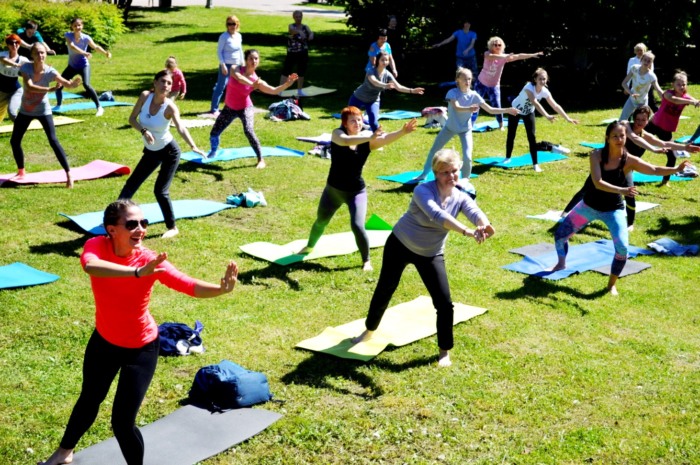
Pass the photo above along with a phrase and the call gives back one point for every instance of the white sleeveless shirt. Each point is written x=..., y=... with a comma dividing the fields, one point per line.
x=158, y=125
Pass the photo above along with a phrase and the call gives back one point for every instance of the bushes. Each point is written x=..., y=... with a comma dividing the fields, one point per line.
x=103, y=21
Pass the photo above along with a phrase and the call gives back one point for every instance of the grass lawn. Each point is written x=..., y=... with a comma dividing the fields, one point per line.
x=553, y=373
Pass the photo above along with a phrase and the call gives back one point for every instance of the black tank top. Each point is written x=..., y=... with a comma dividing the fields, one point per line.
x=634, y=149
x=607, y=201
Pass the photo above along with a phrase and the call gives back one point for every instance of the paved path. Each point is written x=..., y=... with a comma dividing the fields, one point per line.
x=261, y=6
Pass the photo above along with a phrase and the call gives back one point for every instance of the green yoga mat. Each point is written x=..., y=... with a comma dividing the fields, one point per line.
x=330, y=245
x=186, y=436
x=401, y=325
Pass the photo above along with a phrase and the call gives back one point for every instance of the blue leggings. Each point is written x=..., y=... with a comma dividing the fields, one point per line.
x=580, y=216
x=84, y=73
x=223, y=121
x=331, y=200
x=431, y=270
x=220, y=86
x=20, y=128
x=443, y=138
x=372, y=110
x=101, y=364
x=493, y=94
x=168, y=158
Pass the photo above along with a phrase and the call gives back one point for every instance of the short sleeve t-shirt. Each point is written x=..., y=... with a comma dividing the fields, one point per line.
x=37, y=103
x=640, y=84
x=461, y=121
x=9, y=75
x=75, y=59
x=464, y=39
x=490, y=74
x=522, y=101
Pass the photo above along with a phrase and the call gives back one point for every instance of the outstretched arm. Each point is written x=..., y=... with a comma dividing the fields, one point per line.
x=203, y=289
x=387, y=138
x=497, y=111
x=173, y=113
x=94, y=46
x=264, y=87
x=523, y=56
x=105, y=269
x=560, y=110
x=644, y=167
x=446, y=41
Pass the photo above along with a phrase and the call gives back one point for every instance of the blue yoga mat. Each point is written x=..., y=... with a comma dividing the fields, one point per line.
x=20, y=275
x=686, y=139
x=580, y=258
x=66, y=95
x=92, y=222
x=668, y=246
x=241, y=152
x=88, y=106
x=523, y=160
x=394, y=115
x=492, y=125
x=642, y=178
x=407, y=177
x=592, y=145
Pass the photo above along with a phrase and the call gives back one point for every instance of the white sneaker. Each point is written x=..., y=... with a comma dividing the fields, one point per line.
x=537, y=168
x=560, y=149
x=681, y=154
x=100, y=111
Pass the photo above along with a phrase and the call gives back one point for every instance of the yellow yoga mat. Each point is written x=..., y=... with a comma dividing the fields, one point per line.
x=57, y=121
x=401, y=325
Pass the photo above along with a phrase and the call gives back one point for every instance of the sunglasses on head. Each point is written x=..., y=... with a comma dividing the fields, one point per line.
x=133, y=224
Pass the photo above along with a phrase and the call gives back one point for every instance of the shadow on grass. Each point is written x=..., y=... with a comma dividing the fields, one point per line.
x=537, y=288
x=320, y=370
x=685, y=229
x=281, y=273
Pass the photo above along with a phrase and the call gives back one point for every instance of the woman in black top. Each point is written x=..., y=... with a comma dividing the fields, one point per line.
x=603, y=201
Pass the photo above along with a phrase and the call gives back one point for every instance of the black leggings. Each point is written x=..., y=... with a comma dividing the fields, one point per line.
x=529, y=123
x=169, y=159
x=101, y=364
x=664, y=136
x=68, y=74
x=431, y=270
x=20, y=128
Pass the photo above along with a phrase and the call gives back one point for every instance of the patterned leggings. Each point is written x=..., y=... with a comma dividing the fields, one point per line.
x=493, y=94
x=225, y=118
x=580, y=216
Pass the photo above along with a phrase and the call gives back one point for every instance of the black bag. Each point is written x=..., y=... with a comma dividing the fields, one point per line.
x=227, y=385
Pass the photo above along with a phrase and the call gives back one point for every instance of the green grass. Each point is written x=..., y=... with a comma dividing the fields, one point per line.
x=554, y=373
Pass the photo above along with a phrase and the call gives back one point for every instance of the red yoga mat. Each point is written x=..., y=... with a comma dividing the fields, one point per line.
x=93, y=170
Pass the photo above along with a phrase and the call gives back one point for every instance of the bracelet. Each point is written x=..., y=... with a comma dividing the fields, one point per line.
x=143, y=131
x=136, y=272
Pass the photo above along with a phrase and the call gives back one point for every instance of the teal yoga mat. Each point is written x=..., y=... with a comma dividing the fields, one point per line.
x=88, y=106
x=187, y=436
x=20, y=275
x=393, y=115
x=523, y=160
x=584, y=257
x=592, y=145
x=66, y=95
x=241, y=152
x=92, y=222
x=686, y=139
x=408, y=176
x=492, y=125
x=642, y=178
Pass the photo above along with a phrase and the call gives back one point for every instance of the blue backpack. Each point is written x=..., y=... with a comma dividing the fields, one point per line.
x=227, y=386
x=180, y=339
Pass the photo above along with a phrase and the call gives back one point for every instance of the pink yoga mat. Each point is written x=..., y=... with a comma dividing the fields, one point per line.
x=93, y=170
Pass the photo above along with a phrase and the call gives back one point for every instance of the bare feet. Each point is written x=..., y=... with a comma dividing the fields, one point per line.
x=69, y=181
x=20, y=174
x=60, y=456
x=170, y=233
x=444, y=359
x=613, y=290
x=367, y=266
x=306, y=250
x=365, y=336
x=261, y=164
x=537, y=168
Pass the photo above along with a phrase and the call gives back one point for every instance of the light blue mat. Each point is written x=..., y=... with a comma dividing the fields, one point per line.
x=592, y=145
x=241, y=152
x=408, y=176
x=583, y=257
x=523, y=160
x=20, y=275
x=686, y=139
x=88, y=106
x=394, y=115
x=66, y=95
x=668, y=246
x=492, y=125
x=642, y=178
x=92, y=222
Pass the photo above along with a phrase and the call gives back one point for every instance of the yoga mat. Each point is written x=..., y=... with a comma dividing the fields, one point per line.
x=492, y=125
x=668, y=246
x=555, y=215
x=20, y=275
x=642, y=178
x=89, y=106
x=241, y=152
x=523, y=160
x=311, y=91
x=66, y=95
x=187, y=436
x=394, y=115
x=323, y=139
x=686, y=139
x=195, y=123
x=401, y=324
x=93, y=170
x=35, y=124
x=92, y=222
x=408, y=176
x=592, y=145
x=596, y=256
x=330, y=245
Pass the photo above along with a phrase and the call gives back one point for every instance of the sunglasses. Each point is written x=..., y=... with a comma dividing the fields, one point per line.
x=12, y=42
x=232, y=24
x=133, y=224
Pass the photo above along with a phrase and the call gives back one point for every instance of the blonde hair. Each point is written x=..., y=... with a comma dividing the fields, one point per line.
x=493, y=39
x=648, y=54
x=234, y=19
x=680, y=75
x=447, y=157
x=640, y=46
x=466, y=72
x=171, y=63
